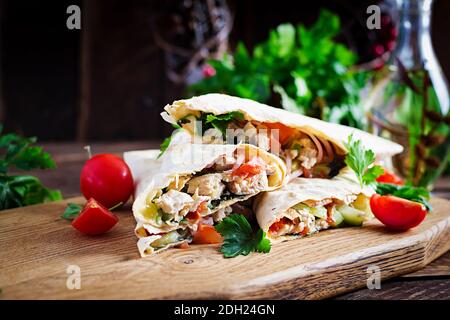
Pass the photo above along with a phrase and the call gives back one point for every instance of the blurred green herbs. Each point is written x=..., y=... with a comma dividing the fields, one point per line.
x=305, y=66
x=19, y=153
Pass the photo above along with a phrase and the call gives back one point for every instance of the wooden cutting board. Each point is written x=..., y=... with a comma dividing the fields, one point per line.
x=37, y=247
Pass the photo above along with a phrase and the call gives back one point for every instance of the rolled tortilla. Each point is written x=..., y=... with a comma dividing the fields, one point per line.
x=336, y=134
x=142, y=163
x=342, y=190
x=179, y=165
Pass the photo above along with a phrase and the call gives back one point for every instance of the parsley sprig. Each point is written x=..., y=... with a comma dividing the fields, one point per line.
x=221, y=121
x=359, y=160
x=17, y=152
x=72, y=211
x=240, y=238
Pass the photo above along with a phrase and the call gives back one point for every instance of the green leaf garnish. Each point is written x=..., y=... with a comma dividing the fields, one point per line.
x=24, y=190
x=164, y=145
x=20, y=153
x=239, y=237
x=72, y=211
x=221, y=121
x=359, y=159
x=305, y=65
x=416, y=194
x=21, y=190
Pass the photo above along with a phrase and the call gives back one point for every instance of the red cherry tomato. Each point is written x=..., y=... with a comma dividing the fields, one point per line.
x=94, y=219
x=284, y=132
x=390, y=177
x=206, y=234
x=397, y=213
x=107, y=179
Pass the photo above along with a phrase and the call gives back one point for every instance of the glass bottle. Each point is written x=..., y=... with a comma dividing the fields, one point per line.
x=410, y=102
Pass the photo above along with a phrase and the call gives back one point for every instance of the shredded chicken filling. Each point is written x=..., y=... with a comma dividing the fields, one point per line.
x=199, y=195
x=307, y=218
x=305, y=155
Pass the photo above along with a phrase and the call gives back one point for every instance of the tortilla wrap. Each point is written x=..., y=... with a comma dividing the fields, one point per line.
x=269, y=207
x=337, y=134
x=186, y=159
x=142, y=163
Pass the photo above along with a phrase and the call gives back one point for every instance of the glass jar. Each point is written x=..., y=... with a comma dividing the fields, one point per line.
x=410, y=100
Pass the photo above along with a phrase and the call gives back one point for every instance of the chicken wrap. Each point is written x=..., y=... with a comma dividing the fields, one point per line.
x=199, y=184
x=310, y=148
x=305, y=206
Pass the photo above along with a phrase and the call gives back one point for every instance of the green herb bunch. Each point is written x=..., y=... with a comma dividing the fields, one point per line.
x=305, y=66
x=19, y=153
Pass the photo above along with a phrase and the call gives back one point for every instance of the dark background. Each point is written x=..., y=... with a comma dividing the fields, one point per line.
x=108, y=81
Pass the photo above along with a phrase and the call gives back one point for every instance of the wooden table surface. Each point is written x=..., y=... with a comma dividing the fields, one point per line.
x=432, y=282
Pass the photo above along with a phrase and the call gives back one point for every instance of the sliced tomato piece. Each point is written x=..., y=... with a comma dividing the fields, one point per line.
x=248, y=170
x=278, y=225
x=94, y=219
x=284, y=132
x=195, y=215
x=390, y=177
x=184, y=245
x=397, y=213
x=206, y=234
x=305, y=231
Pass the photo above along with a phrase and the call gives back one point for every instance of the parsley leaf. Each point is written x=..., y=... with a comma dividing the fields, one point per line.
x=24, y=190
x=359, y=159
x=305, y=66
x=21, y=190
x=372, y=174
x=72, y=211
x=19, y=153
x=164, y=145
x=416, y=194
x=221, y=121
x=239, y=237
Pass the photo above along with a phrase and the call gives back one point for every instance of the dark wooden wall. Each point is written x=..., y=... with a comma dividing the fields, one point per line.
x=39, y=69
x=124, y=87
x=107, y=81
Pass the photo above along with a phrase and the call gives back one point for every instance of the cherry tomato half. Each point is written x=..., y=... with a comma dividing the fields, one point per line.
x=206, y=234
x=107, y=179
x=397, y=213
x=94, y=219
x=390, y=177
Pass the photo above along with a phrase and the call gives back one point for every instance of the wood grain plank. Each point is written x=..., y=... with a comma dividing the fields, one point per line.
x=36, y=246
x=437, y=268
x=435, y=289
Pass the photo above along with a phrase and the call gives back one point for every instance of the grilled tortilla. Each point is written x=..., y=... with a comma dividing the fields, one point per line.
x=310, y=147
x=305, y=206
x=199, y=183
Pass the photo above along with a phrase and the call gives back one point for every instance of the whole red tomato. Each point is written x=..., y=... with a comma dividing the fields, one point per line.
x=397, y=213
x=390, y=177
x=107, y=179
